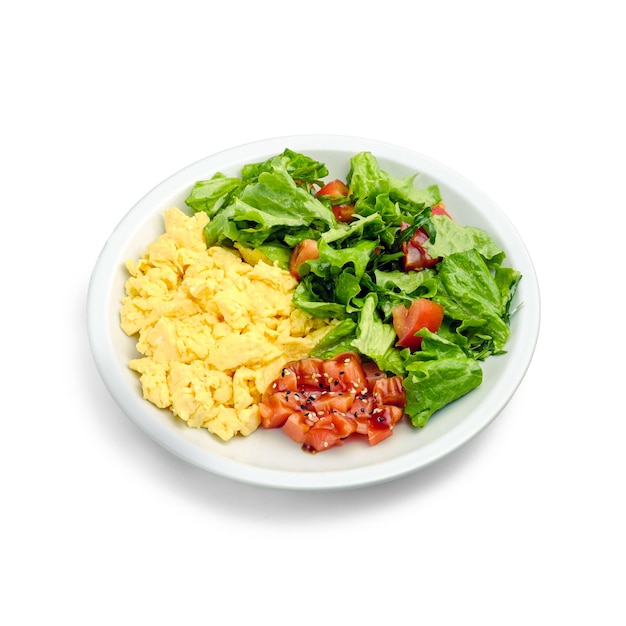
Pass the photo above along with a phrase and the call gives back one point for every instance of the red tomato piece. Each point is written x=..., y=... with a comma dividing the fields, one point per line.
x=440, y=209
x=343, y=212
x=422, y=313
x=416, y=256
x=306, y=250
x=334, y=189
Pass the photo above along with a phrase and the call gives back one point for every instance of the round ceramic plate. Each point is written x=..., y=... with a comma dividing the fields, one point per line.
x=268, y=457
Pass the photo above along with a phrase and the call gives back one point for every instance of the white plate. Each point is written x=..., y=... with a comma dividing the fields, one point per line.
x=269, y=458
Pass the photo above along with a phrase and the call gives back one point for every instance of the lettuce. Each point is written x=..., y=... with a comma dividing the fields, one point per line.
x=437, y=375
x=300, y=167
x=266, y=207
x=367, y=181
x=210, y=195
x=452, y=237
x=358, y=278
x=475, y=303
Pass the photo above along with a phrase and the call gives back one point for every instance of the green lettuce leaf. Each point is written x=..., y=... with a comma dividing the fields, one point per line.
x=473, y=299
x=437, y=375
x=337, y=340
x=369, y=336
x=211, y=195
x=330, y=284
x=269, y=211
x=452, y=237
x=373, y=338
x=277, y=197
x=300, y=167
x=359, y=277
x=368, y=181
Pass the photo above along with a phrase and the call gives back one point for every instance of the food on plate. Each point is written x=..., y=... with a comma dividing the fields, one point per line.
x=323, y=403
x=397, y=303
x=213, y=330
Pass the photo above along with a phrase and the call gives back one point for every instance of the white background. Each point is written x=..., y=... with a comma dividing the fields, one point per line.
x=524, y=525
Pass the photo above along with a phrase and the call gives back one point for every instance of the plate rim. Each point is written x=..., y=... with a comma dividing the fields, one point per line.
x=104, y=355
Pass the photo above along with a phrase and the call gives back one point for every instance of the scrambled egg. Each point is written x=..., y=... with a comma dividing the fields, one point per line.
x=214, y=331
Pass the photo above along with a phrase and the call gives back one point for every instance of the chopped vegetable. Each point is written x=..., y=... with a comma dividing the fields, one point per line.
x=407, y=322
x=418, y=297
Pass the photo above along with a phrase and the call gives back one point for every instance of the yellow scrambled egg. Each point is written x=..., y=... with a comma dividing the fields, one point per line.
x=213, y=329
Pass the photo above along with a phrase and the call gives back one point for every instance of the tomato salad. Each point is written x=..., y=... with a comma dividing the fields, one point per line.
x=419, y=299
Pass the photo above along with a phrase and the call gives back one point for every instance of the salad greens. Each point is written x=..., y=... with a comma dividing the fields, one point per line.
x=359, y=276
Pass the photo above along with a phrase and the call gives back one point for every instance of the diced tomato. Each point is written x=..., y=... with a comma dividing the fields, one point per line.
x=422, y=313
x=334, y=189
x=440, y=209
x=306, y=250
x=343, y=212
x=416, y=256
